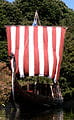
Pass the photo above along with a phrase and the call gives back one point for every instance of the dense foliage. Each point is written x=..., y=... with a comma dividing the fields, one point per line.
x=51, y=12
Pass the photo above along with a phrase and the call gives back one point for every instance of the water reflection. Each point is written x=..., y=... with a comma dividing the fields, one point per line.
x=53, y=115
x=10, y=113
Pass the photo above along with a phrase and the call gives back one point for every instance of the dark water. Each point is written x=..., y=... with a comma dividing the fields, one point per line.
x=66, y=112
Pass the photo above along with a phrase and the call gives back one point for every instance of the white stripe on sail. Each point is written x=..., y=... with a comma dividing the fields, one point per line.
x=31, y=51
x=21, y=51
x=13, y=39
x=13, y=44
x=50, y=51
x=58, y=39
x=41, y=51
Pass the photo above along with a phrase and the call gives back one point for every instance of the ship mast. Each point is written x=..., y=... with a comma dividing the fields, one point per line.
x=36, y=19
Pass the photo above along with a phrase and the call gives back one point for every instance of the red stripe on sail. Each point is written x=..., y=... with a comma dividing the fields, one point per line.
x=26, y=51
x=63, y=30
x=36, y=53
x=54, y=50
x=45, y=40
x=9, y=39
x=17, y=49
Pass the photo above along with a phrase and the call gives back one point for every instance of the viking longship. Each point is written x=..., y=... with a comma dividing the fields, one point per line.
x=36, y=51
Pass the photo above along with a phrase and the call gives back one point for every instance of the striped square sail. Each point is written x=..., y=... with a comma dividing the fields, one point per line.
x=37, y=49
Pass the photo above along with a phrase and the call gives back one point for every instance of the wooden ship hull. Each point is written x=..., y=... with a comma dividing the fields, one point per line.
x=32, y=99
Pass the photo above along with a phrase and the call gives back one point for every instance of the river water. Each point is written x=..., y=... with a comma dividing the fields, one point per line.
x=66, y=112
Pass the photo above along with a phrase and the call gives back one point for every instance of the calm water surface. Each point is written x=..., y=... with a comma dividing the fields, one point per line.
x=64, y=113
